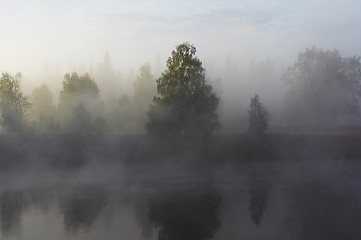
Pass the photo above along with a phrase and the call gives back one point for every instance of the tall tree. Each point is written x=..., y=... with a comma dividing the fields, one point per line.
x=186, y=104
x=257, y=116
x=144, y=87
x=80, y=104
x=106, y=78
x=144, y=92
x=13, y=104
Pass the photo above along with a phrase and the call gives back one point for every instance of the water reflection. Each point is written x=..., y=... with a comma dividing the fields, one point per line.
x=141, y=216
x=41, y=199
x=259, y=184
x=258, y=196
x=289, y=203
x=320, y=210
x=82, y=207
x=185, y=215
x=11, y=207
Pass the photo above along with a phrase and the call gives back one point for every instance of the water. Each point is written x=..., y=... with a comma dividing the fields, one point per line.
x=258, y=200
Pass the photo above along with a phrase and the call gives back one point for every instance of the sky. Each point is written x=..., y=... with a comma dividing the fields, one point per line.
x=61, y=33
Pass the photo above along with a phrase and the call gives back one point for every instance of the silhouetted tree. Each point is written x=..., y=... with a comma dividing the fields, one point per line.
x=257, y=116
x=144, y=88
x=13, y=104
x=144, y=92
x=105, y=77
x=80, y=105
x=324, y=87
x=187, y=103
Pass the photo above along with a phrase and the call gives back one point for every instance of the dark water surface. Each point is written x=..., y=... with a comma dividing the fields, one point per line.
x=260, y=200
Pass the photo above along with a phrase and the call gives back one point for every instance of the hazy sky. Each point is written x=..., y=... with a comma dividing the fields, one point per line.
x=77, y=31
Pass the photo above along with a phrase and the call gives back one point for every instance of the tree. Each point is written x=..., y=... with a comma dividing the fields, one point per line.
x=120, y=114
x=323, y=87
x=42, y=109
x=107, y=79
x=257, y=116
x=144, y=87
x=80, y=105
x=144, y=92
x=13, y=104
x=186, y=104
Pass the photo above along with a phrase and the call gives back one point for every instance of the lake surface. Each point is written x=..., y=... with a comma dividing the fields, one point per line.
x=255, y=200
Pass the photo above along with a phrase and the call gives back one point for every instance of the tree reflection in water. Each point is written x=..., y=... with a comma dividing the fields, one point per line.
x=258, y=196
x=187, y=215
x=82, y=207
x=141, y=210
x=259, y=183
x=11, y=207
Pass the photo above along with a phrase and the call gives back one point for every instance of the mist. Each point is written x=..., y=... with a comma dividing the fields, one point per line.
x=180, y=120
x=245, y=47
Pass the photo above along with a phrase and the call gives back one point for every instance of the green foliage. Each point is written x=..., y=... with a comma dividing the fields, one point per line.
x=323, y=87
x=73, y=85
x=187, y=103
x=80, y=105
x=257, y=116
x=13, y=104
x=43, y=112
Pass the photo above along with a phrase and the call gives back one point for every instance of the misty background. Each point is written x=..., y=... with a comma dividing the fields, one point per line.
x=245, y=46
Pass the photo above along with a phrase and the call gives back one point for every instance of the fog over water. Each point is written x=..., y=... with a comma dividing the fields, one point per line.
x=253, y=200
x=196, y=120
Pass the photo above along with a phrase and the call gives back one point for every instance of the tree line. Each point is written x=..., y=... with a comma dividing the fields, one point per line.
x=324, y=90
